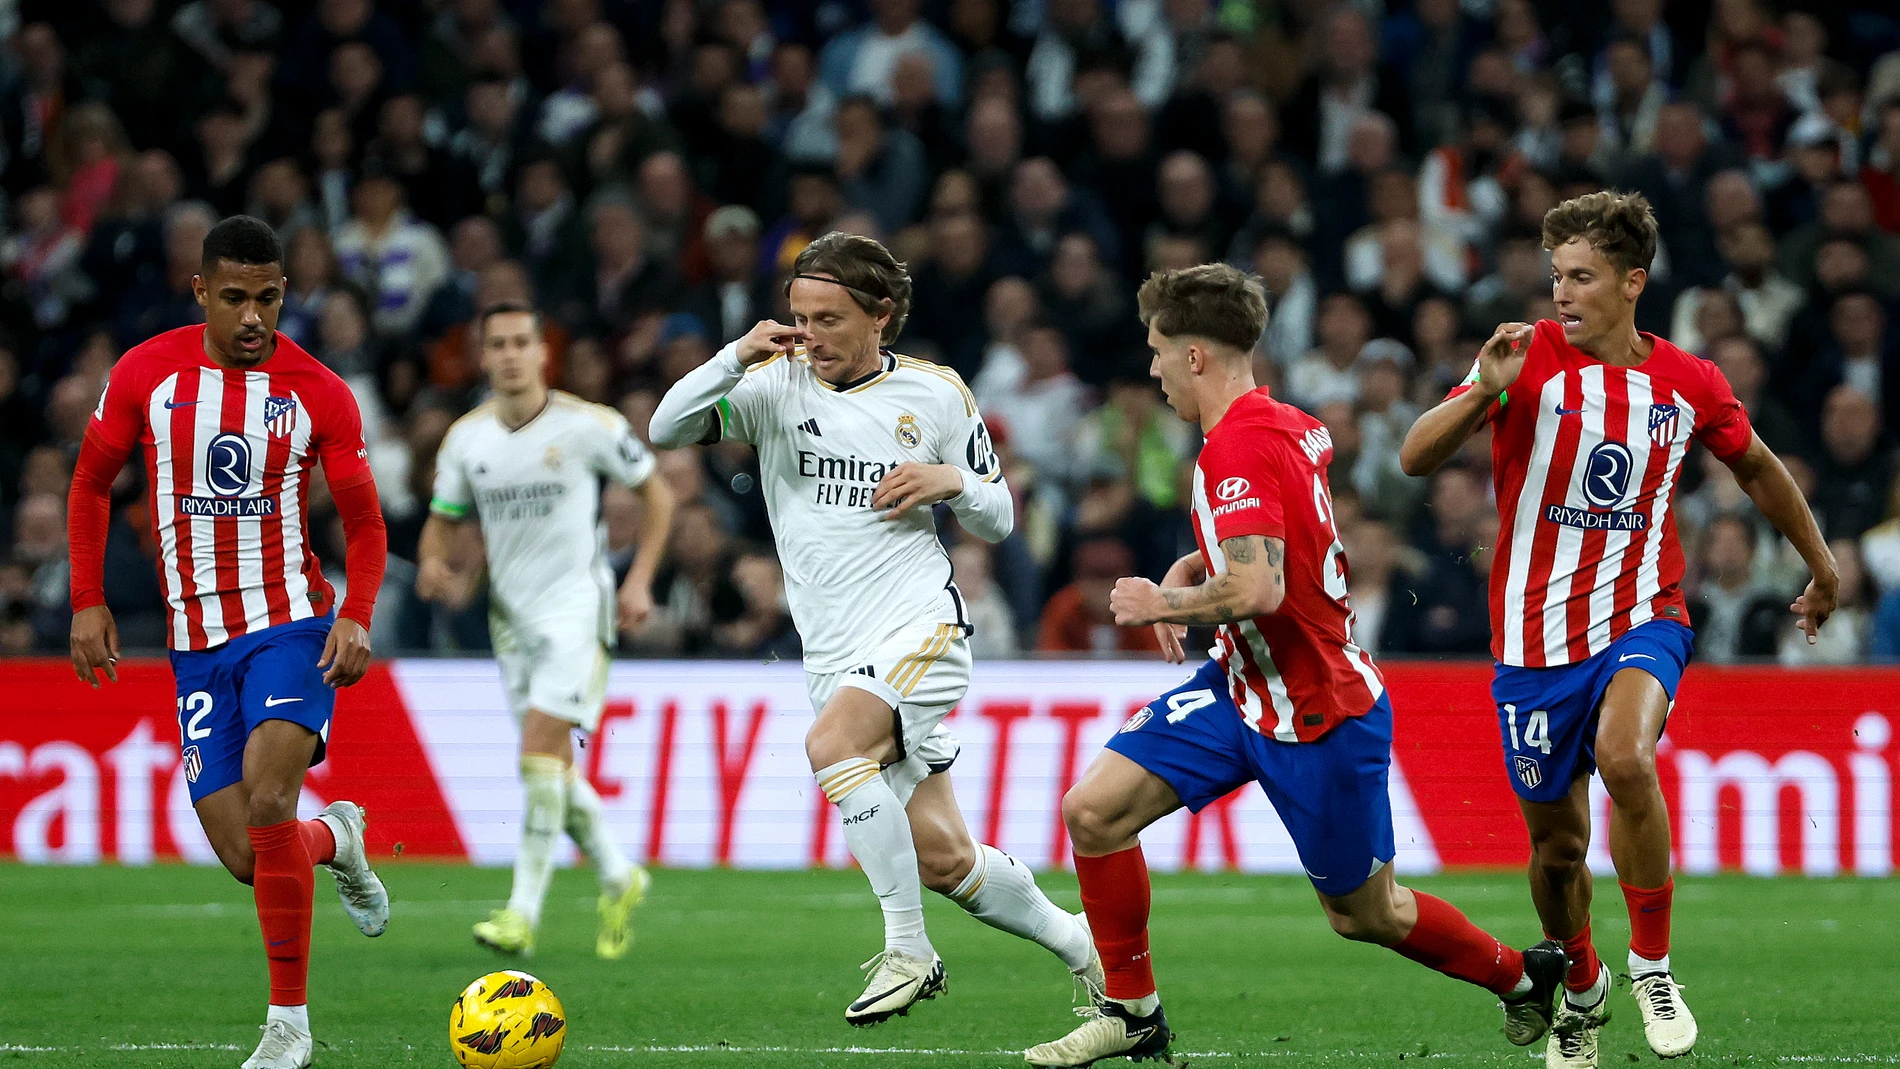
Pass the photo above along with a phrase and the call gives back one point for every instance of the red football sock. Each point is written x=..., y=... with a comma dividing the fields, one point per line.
x=319, y=840
x=1445, y=940
x=282, y=883
x=1649, y=919
x=1115, y=897
x=1583, y=960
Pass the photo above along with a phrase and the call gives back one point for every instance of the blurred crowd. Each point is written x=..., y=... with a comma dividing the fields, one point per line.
x=645, y=171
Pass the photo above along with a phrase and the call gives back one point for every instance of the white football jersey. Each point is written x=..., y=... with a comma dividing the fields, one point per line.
x=854, y=578
x=536, y=490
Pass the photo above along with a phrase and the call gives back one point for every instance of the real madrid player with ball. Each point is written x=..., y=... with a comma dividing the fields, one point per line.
x=529, y=464
x=855, y=446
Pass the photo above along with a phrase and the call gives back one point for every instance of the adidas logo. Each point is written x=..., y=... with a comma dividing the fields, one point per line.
x=810, y=427
x=864, y=670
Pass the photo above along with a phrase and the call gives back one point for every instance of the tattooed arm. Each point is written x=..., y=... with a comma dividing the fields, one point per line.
x=1253, y=584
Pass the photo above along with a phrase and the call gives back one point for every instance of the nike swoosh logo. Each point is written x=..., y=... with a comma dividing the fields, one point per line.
x=880, y=996
x=272, y=703
x=1654, y=909
x=281, y=942
x=1562, y=411
x=179, y=404
x=1619, y=660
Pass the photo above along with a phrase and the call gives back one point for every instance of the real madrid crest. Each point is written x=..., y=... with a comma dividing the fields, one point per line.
x=907, y=431
x=552, y=458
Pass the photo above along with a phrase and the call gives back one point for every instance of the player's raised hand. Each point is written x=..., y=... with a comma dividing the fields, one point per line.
x=345, y=653
x=1502, y=358
x=1814, y=606
x=1136, y=602
x=911, y=484
x=767, y=339
x=95, y=644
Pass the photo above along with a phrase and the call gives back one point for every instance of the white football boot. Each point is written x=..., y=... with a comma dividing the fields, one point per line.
x=1109, y=1029
x=1573, y=1035
x=898, y=982
x=283, y=1047
x=362, y=892
x=1667, y=1022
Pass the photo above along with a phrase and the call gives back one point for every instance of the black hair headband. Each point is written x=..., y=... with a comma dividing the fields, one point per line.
x=866, y=294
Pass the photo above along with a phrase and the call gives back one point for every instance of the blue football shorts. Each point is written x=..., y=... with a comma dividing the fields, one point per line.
x=224, y=693
x=1330, y=793
x=1548, y=716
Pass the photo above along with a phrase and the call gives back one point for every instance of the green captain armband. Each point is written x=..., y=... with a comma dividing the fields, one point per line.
x=448, y=508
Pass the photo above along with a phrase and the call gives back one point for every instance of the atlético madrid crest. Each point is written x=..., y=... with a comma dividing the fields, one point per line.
x=280, y=415
x=1662, y=424
x=194, y=764
x=1528, y=771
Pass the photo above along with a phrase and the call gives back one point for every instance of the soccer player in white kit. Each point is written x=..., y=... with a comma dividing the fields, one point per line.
x=855, y=445
x=529, y=463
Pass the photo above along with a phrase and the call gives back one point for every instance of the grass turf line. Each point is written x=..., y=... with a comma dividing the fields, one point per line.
x=160, y=966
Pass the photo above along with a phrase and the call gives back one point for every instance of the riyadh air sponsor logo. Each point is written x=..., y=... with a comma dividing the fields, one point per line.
x=228, y=465
x=1606, y=475
x=1528, y=771
x=227, y=506
x=1596, y=521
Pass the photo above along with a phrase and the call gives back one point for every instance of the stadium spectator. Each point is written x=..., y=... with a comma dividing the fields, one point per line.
x=1326, y=373
x=1849, y=630
x=626, y=281
x=1077, y=619
x=1038, y=400
x=993, y=628
x=1741, y=361
x=862, y=60
x=396, y=258
x=1292, y=296
x=734, y=296
x=1853, y=470
x=1734, y=616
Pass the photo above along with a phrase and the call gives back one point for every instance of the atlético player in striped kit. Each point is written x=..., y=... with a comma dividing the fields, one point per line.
x=1590, y=421
x=1286, y=698
x=232, y=417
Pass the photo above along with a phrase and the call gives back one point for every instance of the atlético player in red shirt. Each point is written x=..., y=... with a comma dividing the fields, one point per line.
x=232, y=417
x=1590, y=421
x=1287, y=698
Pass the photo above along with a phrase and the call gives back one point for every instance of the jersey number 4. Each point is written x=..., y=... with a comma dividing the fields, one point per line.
x=1536, y=729
x=1180, y=705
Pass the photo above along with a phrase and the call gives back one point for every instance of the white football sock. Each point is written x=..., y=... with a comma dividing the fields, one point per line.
x=545, y=778
x=297, y=1017
x=877, y=830
x=1143, y=1006
x=1641, y=966
x=587, y=826
x=1592, y=996
x=1001, y=892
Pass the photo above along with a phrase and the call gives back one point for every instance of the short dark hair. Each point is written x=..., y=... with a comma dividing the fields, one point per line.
x=1216, y=301
x=505, y=308
x=241, y=239
x=1621, y=226
x=877, y=281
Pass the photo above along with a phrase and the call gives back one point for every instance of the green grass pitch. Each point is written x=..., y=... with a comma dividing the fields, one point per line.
x=161, y=967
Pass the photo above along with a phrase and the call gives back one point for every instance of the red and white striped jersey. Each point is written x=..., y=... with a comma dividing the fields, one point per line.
x=1587, y=460
x=1295, y=673
x=227, y=462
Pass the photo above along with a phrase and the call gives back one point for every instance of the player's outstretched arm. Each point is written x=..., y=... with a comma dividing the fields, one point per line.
x=1253, y=585
x=1441, y=432
x=95, y=635
x=438, y=579
x=685, y=415
x=636, y=593
x=1767, y=482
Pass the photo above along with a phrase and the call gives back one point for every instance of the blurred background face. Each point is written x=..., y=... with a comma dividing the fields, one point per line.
x=1850, y=425
x=513, y=353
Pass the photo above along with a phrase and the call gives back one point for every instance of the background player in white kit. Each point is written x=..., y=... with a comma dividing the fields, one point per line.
x=529, y=463
x=855, y=446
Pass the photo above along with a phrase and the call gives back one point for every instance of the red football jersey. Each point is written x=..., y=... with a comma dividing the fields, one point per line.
x=227, y=460
x=1296, y=672
x=1587, y=460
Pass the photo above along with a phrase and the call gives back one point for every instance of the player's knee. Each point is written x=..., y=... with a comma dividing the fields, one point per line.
x=272, y=805
x=943, y=867
x=1629, y=772
x=1091, y=824
x=1558, y=852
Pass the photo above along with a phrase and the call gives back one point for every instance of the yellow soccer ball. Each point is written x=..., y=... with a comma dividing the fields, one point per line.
x=507, y=1020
